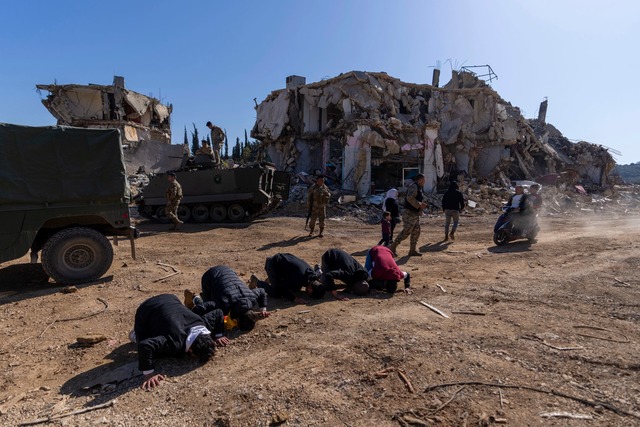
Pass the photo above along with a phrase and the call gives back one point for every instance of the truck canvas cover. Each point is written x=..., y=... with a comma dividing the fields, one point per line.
x=58, y=164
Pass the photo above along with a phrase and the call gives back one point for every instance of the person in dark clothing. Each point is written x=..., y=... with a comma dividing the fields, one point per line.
x=452, y=205
x=223, y=289
x=288, y=274
x=534, y=197
x=390, y=204
x=339, y=265
x=165, y=327
x=384, y=272
x=385, y=224
x=518, y=212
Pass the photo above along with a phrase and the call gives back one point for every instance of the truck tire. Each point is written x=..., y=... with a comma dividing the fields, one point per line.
x=161, y=214
x=218, y=213
x=200, y=213
x=184, y=213
x=236, y=213
x=76, y=255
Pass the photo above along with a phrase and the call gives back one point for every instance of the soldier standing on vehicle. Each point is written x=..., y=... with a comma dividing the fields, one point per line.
x=217, y=139
x=174, y=196
x=413, y=207
x=317, y=200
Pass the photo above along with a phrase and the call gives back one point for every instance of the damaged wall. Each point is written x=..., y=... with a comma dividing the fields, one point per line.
x=463, y=127
x=141, y=119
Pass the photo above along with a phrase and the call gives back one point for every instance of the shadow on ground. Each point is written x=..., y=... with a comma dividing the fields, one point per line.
x=24, y=281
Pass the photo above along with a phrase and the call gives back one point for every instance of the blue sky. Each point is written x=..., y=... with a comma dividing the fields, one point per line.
x=211, y=58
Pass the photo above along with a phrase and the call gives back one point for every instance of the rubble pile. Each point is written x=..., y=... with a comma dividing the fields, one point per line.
x=373, y=127
x=144, y=122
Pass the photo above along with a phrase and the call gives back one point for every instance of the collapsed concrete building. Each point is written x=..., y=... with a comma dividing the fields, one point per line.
x=378, y=131
x=144, y=122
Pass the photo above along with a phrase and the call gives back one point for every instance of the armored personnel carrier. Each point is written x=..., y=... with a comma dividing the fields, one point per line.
x=217, y=195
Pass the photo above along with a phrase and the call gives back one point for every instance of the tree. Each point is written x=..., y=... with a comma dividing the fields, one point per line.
x=226, y=146
x=186, y=140
x=237, y=150
x=195, y=140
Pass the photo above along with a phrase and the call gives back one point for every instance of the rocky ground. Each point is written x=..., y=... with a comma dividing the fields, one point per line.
x=560, y=315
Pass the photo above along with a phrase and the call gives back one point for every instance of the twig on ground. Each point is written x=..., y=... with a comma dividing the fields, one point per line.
x=103, y=301
x=597, y=328
x=384, y=373
x=406, y=381
x=625, y=284
x=561, y=348
x=7, y=404
x=167, y=276
x=566, y=415
x=453, y=396
x=587, y=402
x=68, y=414
x=470, y=313
x=441, y=288
x=501, y=398
x=432, y=308
x=175, y=270
x=45, y=329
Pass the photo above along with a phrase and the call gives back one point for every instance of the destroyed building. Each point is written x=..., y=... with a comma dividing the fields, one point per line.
x=377, y=131
x=144, y=122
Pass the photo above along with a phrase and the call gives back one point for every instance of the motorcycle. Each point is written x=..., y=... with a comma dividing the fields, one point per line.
x=504, y=231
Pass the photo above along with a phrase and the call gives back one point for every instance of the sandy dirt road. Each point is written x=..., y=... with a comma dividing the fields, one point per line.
x=553, y=318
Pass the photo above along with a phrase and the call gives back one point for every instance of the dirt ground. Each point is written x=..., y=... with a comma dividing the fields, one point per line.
x=553, y=317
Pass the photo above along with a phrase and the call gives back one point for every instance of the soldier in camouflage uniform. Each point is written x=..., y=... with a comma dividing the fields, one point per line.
x=217, y=139
x=173, y=195
x=413, y=207
x=317, y=200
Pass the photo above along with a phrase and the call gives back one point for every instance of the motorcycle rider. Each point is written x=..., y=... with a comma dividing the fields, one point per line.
x=518, y=212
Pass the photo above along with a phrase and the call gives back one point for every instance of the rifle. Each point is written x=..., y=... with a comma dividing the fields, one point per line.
x=310, y=209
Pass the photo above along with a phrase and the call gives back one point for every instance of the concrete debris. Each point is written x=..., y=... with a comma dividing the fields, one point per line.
x=372, y=131
x=141, y=119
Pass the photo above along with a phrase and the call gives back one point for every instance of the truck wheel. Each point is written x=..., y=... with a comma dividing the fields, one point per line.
x=200, y=213
x=218, y=213
x=161, y=214
x=76, y=255
x=184, y=213
x=236, y=212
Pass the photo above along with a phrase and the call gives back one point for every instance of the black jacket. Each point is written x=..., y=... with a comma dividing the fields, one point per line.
x=288, y=274
x=453, y=199
x=339, y=265
x=222, y=287
x=391, y=206
x=162, y=325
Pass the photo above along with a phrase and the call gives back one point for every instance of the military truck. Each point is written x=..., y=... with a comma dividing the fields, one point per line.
x=63, y=191
x=217, y=195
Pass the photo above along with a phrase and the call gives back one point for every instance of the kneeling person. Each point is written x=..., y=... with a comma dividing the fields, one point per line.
x=288, y=274
x=339, y=265
x=165, y=327
x=223, y=289
x=385, y=273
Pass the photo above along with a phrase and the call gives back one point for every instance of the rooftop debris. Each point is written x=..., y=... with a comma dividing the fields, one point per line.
x=371, y=130
x=144, y=122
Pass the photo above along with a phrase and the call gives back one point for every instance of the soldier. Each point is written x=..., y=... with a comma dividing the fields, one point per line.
x=217, y=139
x=317, y=200
x=204, y=149
x=174, y=196
x=413, y=207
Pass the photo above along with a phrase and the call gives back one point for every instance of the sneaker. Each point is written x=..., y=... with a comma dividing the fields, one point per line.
x=413, y=252
x=253, y=282
x=188, y=298
x=452, y=235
